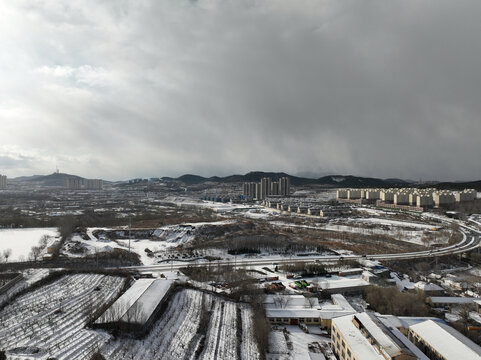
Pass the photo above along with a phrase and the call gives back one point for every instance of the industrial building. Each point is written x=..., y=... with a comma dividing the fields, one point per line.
x=136, y=309
x=3, y=182
x=266, y=187
x=442, y=342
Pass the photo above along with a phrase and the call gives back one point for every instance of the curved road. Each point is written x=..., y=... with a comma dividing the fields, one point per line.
x=470, y=241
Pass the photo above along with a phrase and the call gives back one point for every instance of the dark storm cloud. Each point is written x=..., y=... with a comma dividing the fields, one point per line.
x=119, y=89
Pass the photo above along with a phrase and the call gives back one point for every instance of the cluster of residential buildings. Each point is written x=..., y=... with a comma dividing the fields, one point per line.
x=74, y=183
x=3, y=182
x=413, y=197
x=266, y=187
x=303, y=206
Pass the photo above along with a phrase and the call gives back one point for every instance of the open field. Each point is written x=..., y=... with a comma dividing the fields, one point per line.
x=53, y=317
x=195, y=325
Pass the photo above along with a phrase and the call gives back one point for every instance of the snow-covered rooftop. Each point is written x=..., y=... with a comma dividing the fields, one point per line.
x=427, y=286
x=138, y=303
x=342, y=283
x=359, y=344
x=447, y=341
x=452, y=300
x=290, y=302
x=293, y=313
x=385, y=342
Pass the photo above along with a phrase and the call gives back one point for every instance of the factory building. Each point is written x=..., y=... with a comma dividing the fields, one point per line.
x=3, y=182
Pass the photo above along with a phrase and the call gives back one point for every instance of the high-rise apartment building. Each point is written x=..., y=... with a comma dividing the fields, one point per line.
x=73, y=183
x=3, y=182
x=266, y=187
x=284, y=186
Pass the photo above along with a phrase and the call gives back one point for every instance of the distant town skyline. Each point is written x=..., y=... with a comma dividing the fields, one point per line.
x=119, y=90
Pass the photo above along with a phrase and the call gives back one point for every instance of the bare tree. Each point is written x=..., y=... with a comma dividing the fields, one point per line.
x=35, y=252
x=281, y=301
x=44, y=241
x=310, y=300
x=7, y=253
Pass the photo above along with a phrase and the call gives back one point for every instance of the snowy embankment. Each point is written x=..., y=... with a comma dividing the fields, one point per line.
x=181, y=334
x=162, y=239
x=21, y=241
x=53, y=317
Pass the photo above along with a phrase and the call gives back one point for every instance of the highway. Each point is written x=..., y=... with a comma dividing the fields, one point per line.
x=470, y=241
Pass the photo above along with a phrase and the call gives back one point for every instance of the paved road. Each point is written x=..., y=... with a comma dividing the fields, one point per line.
x=470, y=241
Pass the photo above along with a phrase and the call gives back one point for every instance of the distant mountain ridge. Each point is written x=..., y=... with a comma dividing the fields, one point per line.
x=255, y=176
x=55, y=179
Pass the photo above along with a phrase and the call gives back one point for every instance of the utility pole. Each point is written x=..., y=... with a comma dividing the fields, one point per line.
x=130, y=225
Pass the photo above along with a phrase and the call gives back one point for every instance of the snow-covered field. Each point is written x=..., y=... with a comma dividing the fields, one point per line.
x=53, y=317
x=179, y=334
x=30, y=276
x=401, y=230
x=21, y=241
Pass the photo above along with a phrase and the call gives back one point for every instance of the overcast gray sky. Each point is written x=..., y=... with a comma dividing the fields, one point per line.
x=123, y=88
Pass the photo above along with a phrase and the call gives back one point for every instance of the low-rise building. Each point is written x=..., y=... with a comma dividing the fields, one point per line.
x=362, y=337
x=449, y=301
x=292, y=310
x=442, y=342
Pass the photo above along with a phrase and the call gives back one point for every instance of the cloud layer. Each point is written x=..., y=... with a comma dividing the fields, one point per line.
x=120, y=89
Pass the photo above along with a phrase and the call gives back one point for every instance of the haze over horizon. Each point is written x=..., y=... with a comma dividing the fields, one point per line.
x=119, y=90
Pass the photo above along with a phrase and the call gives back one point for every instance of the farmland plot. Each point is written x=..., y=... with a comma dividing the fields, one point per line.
x=195, y=325
x=53, y=317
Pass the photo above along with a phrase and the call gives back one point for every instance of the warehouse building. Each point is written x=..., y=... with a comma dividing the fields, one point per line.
x=137, y=308
x=442, y=342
